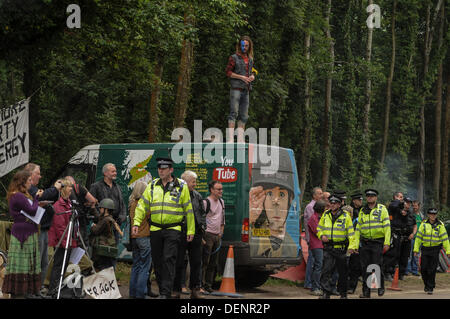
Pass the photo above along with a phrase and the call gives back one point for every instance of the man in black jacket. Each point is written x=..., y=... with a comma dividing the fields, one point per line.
x=108, y=188
x=50, y=194
x=194, y=247
x=403, y=229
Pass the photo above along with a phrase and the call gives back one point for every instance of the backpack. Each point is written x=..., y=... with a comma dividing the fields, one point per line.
x=208, y=207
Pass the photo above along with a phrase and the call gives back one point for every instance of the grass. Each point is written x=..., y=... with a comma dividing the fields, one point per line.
x=123, y=272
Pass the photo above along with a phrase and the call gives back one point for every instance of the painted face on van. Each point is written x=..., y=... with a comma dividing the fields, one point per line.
x=276, y=205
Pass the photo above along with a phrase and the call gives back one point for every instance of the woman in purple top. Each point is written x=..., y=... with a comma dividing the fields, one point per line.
x=24, y=265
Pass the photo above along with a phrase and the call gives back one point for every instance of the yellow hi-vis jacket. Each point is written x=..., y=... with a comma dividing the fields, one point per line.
x=373, y=225
x=432, y=235
x=167, y=209
x=339, y=232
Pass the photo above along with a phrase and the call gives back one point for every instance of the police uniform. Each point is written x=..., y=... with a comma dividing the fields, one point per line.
x=373, y=231
x=354, y=262
x=430, y=239
x=338, y=229
x=169, y=207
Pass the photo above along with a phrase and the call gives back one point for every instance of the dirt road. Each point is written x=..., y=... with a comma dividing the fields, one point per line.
x=412, y=288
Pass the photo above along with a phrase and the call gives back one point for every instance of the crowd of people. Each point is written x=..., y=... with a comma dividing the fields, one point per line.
x=347, y=242
x=181, y=222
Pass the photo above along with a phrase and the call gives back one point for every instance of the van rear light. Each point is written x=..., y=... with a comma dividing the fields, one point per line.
x=244, y=233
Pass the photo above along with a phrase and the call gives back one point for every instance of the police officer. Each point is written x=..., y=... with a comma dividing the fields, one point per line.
x=336, y=232
x=168, y=200
x=373, y=231
x=354, y=262
x=403, y=229
x=430, y=239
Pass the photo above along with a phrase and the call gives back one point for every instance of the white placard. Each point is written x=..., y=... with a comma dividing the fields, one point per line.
x=102, y=285
x=14, y=136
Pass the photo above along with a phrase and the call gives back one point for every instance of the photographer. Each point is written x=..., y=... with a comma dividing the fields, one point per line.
x=84, y=203
x=63, y=213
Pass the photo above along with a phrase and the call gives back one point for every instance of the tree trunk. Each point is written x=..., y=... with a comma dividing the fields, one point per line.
x=304, y=158
x=427, y=50
x=389, y=88
x=438, y=119
x=444, y=188
x=184, y=76
x=368, y=92
x=154, y=100
x=326, y=126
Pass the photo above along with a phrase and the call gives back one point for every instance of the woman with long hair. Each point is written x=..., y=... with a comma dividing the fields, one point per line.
x=23, y=271
x=140, y=244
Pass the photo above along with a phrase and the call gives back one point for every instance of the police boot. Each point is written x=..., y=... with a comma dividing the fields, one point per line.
x=150, y=293
x=325, y=295
x=195, y=294
x=380, y=292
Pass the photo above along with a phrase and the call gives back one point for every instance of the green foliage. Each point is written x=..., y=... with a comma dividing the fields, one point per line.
x=93, y=84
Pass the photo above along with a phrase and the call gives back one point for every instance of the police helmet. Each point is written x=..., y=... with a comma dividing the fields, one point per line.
x=107, y=203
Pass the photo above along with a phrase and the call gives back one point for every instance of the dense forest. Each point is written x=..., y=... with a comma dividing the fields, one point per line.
x=360, y=104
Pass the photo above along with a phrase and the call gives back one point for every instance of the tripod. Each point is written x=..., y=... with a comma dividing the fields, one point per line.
x=73, y=223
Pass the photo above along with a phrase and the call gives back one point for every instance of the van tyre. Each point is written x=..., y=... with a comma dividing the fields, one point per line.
x=250, y=278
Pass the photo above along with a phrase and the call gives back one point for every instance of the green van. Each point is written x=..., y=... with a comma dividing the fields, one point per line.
x=261, y=195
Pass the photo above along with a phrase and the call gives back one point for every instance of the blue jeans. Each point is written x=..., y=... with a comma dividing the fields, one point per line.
x=308, y=272
x=43, y=248
x=239, y=101
x=316, y=268
x=413, y=262
x=142, y=260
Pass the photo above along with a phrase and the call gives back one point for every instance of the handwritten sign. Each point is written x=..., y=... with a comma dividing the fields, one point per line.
x=14, y=136
x=102, y=285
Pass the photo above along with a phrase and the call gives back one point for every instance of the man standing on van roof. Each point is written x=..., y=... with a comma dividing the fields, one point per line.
x=241, y=73
x=168, y=200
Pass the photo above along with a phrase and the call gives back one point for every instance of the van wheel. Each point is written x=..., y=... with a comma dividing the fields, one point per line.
x=250, y=278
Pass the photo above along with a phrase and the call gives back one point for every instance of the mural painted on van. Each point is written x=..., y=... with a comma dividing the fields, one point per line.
x=274, y=210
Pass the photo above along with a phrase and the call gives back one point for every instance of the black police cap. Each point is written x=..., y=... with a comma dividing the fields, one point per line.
x=371, y=192
x=340, y=194
x=164, y=162
x=334, y=199
x=356, y=196
x=432, y=211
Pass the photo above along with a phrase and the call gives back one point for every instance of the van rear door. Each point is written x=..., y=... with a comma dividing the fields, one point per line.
x=274, y=205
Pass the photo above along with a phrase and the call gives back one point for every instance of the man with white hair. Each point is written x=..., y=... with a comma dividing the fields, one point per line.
x=194, y=248
x=108, y=188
